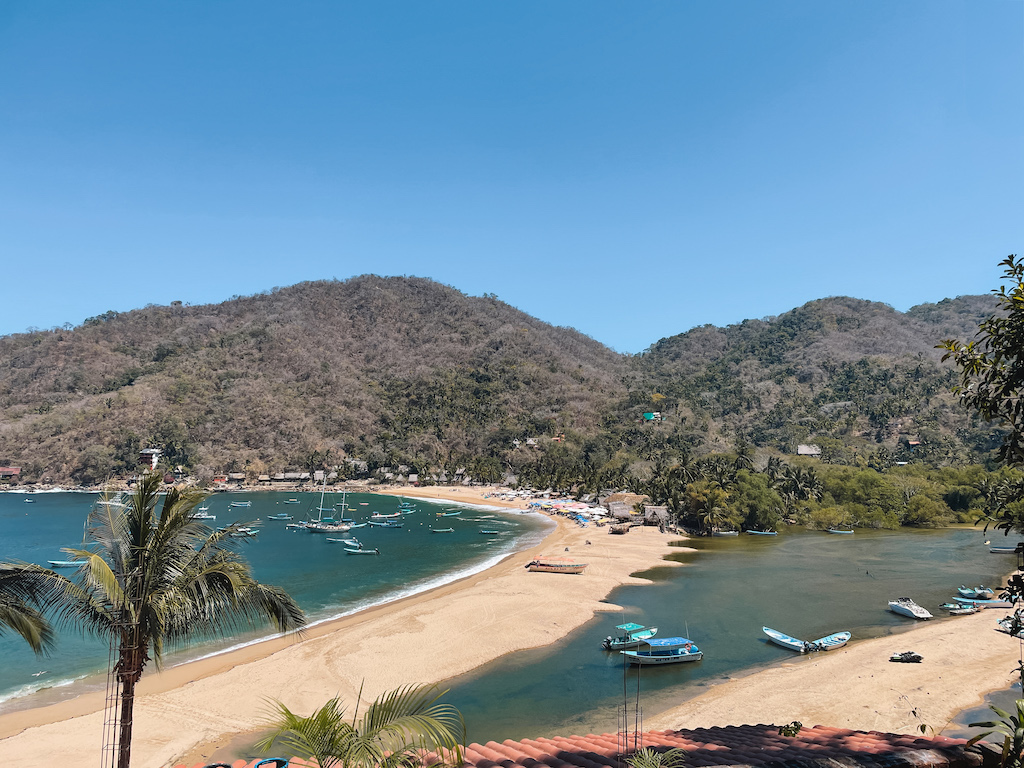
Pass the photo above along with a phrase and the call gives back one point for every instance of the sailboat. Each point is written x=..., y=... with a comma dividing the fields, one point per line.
x=325, y=524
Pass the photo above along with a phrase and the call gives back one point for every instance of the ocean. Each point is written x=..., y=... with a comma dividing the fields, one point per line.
x=323, y=579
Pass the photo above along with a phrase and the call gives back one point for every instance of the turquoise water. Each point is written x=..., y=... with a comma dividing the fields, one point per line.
x=805, y=584
x=324, y=580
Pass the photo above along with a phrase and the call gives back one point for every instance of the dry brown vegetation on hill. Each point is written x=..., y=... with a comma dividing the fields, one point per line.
x=405, y=370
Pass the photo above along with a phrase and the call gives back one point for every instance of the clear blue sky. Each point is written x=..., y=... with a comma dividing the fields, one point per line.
x=628, y=169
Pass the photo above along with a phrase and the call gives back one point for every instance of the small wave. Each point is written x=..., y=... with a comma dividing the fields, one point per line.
x=41, y=685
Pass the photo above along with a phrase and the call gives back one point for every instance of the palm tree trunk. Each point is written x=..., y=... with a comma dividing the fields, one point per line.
x=132, y=658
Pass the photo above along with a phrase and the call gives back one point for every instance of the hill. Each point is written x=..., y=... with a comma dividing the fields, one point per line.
x=842, y=373
x=407, y=371
x=381, y=368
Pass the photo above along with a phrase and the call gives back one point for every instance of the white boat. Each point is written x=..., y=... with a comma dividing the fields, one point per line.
x=347, y=542
x=1005, y=624
x=379, y=516
x=668, y=650
x=442, y=530
x=904, y=606
x=240, y=504
x=997, y=550
x=996, y=602
x=633, y=636
x=362, y=551
x=291, y=501
x=65, y=563
x=553, y=564
x=202, y=514
x=279, y=516
x=725, y=533
x=29, y=501
x=827, y=643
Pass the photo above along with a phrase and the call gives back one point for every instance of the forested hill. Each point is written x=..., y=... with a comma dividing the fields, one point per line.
x=408, y=371
x=384, y=368
x=845, y=374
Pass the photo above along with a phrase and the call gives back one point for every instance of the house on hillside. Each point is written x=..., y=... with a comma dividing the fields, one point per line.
x=10, y=475
x=149, y=457
x=236, y=477
x=811, y=450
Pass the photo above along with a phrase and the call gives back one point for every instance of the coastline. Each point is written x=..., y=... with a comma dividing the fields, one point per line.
x=192, y=712
x=185, y=713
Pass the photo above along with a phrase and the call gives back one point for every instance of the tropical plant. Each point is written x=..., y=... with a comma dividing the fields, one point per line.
x=398, y=729
x=648, y=757
x=1011, y=727
x=156, y=577
x=23, y=588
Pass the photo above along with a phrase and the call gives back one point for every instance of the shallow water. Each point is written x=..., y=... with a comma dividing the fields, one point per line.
x=321, y=577
x=805, y=584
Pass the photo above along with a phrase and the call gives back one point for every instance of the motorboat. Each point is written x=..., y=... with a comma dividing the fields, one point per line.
x=66, y=563
x=633, y=636
x=904, y=606
x=995, y=602
x=960, y=609
x=752, y=532
x=489, y=532
x=668, y=650
x=827, y=643
x=347, y=542
x=240, y=504
x=840, y=531
x=280, y=516
x=361, y=551
x=442, y=530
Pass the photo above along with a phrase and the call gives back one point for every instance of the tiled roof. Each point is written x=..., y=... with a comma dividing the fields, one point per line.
x=739, y=745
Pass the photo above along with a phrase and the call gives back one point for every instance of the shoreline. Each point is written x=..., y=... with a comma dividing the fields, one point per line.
x=187, y=712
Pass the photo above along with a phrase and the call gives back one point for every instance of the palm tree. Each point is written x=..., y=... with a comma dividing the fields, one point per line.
x=152, y=578
x=648, y=757
x=395, y=730
x=23, y=589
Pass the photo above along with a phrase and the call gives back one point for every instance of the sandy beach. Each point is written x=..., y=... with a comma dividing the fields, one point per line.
x=188, y=713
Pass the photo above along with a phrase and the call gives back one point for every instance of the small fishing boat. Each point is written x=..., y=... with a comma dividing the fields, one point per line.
x=442, y=530
x=960, y=609
x=240, y=504
x=347, y=542
x=361, y=551
x=826, y=643
x=752, y=532
x=976, y=593
x=381, y=516
x=449, y=514
x=280, y=516
x=385, y=524
x=357, y=525
x=554, y=565
x=489, y=532
x=1003, y=550
x=904, y=606
x=840, y=531
x=668, y=650
x=65, y=563
x=200, y=514
x=291, y=501
x=633, y=636
x=29, y=501
x=995, y=602
x=725, y=533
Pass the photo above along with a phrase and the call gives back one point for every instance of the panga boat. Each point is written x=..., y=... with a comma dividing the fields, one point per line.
x=725, y=533
x=827, y=643
x=442, y=530
x=240, y=504
x=907, y=607
x=959, y=609
x=763, y=533
x=555, y=565
x=355, y=543
x=667, y=650
x=997, y=550
x=449, y=514
x=489, y=532
x=202, y=514
x=839, y=530
x=975, y=593
x=996, y=602
x=633, y=635
x=362, y=551
x=65, y=563
x=279, y=516
x=291, y=501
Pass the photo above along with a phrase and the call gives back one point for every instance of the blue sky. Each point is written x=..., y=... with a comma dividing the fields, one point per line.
x=628, y=169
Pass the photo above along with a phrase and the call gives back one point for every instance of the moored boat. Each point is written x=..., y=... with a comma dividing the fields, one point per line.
x=240, y=504
x=725, y=533
x=668, y=650
x=839, y=530
x=788, y=641
x=995, y=602
x=65, y=563
x=752, y=532
x=1003, y=550
x=489, y=532
x=960, y=609
x=633, y=636
x=554, y=565
x=361, y=551
x=291, y=501
x=279, y=516
x=904, y=606
x=976, y=593
x=442, y=530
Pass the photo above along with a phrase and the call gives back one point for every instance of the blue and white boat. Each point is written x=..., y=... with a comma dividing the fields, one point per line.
x=752, y=532
x=240, y=504
x=996, y=602
x=827, y=643
x=667, y=650
x=976, y=593
x=280, y=516
x=633, y=636
x=841, y=531
x=65, y=563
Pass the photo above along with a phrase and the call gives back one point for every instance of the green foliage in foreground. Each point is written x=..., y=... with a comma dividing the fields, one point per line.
x=397, y=729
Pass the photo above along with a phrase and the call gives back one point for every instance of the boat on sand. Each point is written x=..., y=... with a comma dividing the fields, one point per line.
x=555, y=565
x=827, y=643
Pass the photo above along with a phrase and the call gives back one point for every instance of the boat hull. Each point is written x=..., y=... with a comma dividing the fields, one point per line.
x=555, y=566
x=909, y=609
x=659, y=658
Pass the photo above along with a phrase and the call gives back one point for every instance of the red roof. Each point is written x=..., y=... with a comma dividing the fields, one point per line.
x=731, y=745
x=10, y=470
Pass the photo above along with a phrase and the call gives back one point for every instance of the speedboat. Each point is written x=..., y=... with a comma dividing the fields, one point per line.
x=907, y=607
x=960, y=609
x=838, y=530
x=668, y=650
x=633, y=636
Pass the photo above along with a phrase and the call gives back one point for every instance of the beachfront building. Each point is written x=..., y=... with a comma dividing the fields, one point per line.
x=10, y=475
